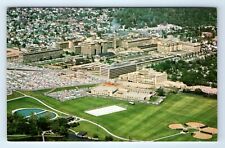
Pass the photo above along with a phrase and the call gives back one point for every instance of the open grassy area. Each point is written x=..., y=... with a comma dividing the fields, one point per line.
x=24, y=103
x=14, y=95
x=187, y=137
x=91, y=130
x=42, y=91
x=139, y=121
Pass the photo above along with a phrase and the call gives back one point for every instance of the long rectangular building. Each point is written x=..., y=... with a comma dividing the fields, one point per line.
x=114, y=71
x=42, y=55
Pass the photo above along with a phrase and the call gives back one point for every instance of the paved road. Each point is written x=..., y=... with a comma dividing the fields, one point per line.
x=168, y=136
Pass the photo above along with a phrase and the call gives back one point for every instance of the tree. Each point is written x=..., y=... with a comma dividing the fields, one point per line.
x=63, y=131
x=60, y=126
x=164, y=34
x=133, y=17
x=75, y=124
x=16, y=124
x=33, y=128
x=198, y=72
x=174, y=77
x=198, y=91
x=43, y=123
x=95, y=135
x=55, y=126
x=108, y=138
x=73, y=53
x=160, y=91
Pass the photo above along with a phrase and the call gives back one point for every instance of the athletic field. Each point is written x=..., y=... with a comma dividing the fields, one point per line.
x=142, y=122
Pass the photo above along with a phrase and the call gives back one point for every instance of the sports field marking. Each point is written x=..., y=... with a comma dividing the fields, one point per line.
x=105, y=110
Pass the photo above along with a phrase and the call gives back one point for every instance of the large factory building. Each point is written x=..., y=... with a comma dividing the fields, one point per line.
x=114, y=71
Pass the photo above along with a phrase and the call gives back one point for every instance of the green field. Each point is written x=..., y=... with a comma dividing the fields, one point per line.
x=140, y=121
x=91, y=130
x=14, y=95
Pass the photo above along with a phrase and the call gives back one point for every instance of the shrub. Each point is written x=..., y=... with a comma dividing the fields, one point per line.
x=95, y=136
x=108, y=138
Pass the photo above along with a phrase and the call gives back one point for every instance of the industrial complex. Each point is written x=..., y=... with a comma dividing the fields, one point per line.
x=127, y=69
x=111, y=74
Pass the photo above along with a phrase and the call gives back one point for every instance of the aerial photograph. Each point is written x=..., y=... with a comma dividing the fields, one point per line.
x=111, y=74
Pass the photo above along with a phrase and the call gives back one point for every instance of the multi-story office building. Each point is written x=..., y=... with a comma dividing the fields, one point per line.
x=145, y=76
x=87, y=48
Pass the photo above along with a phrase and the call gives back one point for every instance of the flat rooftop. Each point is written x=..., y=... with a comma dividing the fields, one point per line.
x=11, y=52
x=118, y=65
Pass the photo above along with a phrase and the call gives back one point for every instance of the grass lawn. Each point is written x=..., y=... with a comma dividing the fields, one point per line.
x=25, y=102
x=92, y=129
x=139, y=121
x=187, y=137
x=14, y=95
x=42, y=91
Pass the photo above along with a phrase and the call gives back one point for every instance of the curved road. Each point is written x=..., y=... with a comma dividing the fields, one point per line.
x=67, y=114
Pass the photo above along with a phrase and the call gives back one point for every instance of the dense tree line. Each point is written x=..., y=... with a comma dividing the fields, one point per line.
x=33, y=126
x=140, y=17
x=198, y=72
x=199, y=92
x=193, y=34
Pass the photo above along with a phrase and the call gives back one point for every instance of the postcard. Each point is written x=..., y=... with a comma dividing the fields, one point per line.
x=111, y=74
